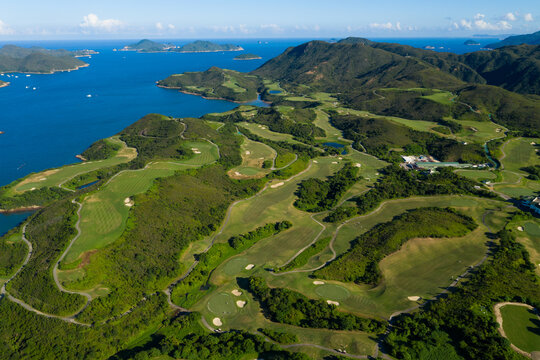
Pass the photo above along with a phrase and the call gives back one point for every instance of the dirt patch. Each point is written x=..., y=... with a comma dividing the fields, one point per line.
x=85, y=260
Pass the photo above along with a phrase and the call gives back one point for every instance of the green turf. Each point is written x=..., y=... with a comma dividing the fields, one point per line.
x=323, y=121
x=54, y=177
x=443, y=97
x=522, y=327
x=476, y=174
x=253, y=156
x=235, y=266
x=222, y=304
x=532, y=228
x=520, y=153
x=263, y=131
x=332, y=292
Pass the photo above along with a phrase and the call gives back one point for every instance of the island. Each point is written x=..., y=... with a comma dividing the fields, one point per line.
x=247, y=57
x=149, y=46
x=3, y=84
x=471, y=43
x=529, y=39
x=37, y=60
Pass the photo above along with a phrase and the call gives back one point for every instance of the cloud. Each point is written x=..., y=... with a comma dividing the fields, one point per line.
x=383, y=26
x=510, y=17
x=272, y=27
x=159, y=26
x=5, y=29
x=171, y=27
x=484, y=25
x=528, y=17
x=479, y=16
x=92, y=23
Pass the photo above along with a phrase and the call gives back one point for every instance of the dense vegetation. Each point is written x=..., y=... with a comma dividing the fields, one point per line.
x=303, y=258
x=399, y=183
x=36, y=60
x=37, y=197
x=183, y=338
x=462, y=325
x=360, y=263
x=279, y=336
x=25, y=335
x=189, y=290
x=316, y=195
x=534, y=172
x=12, y=252
x=207, y=46
x=289, y=307
x=100, y=150
x=531, y=39
x=215, y=83
x=146, y=45
x=378, y=136
x=49, y=232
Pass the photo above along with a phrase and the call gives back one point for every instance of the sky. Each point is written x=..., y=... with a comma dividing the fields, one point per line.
x=102, y=19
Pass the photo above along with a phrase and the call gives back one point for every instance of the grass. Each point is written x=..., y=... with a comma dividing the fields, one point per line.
x=478, y=175
x=263, y=131
x=253, y=155
x=522, y=326
x=222, y=304
x=332, y=292
x=104, y=213
x=520, y=153
x=54, y=177
x=530, y=238
x=442, y=97
x=323, y=121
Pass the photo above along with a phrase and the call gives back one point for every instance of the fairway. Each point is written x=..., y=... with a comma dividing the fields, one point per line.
x=204, y=153
x=254, y=154
x=441, y=97
x=55, y=177
x=332, y=292
x=522, y=327
x=532, y=229
x=222, y=304
x=323, y=121
x=263, y=131
x=519, y=153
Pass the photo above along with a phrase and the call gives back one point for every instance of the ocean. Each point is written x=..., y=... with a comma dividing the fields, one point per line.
x=48, y=126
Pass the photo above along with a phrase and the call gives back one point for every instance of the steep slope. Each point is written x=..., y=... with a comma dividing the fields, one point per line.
x=531, y=39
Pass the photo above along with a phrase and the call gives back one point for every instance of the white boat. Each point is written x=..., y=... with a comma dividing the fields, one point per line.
x=34, y=88
x=89, y=96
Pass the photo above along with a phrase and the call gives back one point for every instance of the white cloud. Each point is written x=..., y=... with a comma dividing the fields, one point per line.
x=159, y=26
x=5, y=29
x=484, y=25
x=383, y=26
x=510, y=17
x=479, y=16
x=92, y=23
x=171, y=27
x=272, y=27
x=466, y=24
x=528, y=17
x=398, y=26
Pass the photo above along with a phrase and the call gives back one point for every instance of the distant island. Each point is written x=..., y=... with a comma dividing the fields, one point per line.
x=247, y=57
x=3, y=84
x=146, y=45
x=529, y=39
x=85, y=53
x=471, y=43
x=37, y=60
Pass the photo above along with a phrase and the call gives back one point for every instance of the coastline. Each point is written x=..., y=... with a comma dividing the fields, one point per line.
x=180, y=52
x=4, y=84
x=208, y=97
x=20, y=209
x=255, y=58
x=46, y=73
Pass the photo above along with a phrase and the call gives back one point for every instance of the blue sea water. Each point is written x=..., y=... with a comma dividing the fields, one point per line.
x=48, y=126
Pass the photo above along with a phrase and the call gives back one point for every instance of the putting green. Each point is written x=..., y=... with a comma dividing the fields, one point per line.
x=521, y=326
x=234, y=266
x=222, y=304
x=332, y=292
x=532, y=229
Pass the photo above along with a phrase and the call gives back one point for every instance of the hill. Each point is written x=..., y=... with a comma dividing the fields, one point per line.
x=37, y=60
x=215, y=83
x=208, y=46
x=146, y=45
x=530, y=39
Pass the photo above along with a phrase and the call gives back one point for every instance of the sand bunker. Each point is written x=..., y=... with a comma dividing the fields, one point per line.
x=334, y=162
x=128, y=202
x=32, y=189
x=237, y=173
x=240, y=303
x=195, y=150
x=520, y=228
x=414, y=298
x=358, y=165
x=318, y=282
x=330, y=302
x=248, y=152
x=277, y=185
x=42, y=179
x=315, y=162
x=217, y=322
x=339, y=158
x=236, y=292
x=250, y=266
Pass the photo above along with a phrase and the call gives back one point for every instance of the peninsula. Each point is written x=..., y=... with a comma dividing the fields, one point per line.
x=37, y=60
